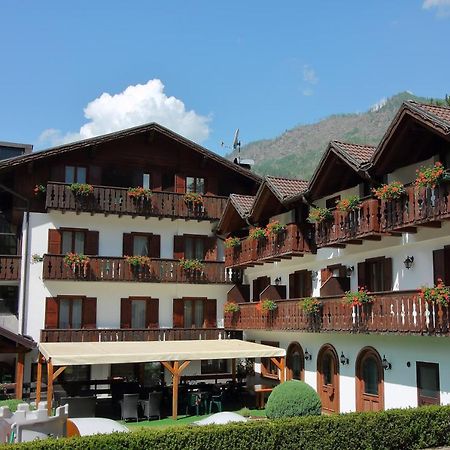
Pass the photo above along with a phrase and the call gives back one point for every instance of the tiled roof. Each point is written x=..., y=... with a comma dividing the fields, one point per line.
x=242, y=203
x=286, y=187
x=440, y=112
x=360, y=153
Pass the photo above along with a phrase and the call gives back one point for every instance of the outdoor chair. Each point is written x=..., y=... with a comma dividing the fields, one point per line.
x=80, y=406
x=193, y=401
x=217, y=401
x=129, y=407
x=152, y=406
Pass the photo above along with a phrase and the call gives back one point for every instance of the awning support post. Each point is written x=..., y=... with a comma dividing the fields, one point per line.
x=39, y=380
x=233, y=370
x=19, y=375
x=49, y=386
x=176, y=369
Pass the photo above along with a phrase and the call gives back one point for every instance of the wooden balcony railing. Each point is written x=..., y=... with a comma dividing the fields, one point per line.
x=115, y=200
x=133, y=334
x=289, y=243
x=117, y=269
x=9, y=267
x=416, y=207
x=348, y=227
x=391, y=312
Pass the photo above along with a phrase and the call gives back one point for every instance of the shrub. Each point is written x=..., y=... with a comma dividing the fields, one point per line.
x=438, y=294
x=139, y=193
x=274, y=228
x=81, y=189
x=429, y=177
x=193, y=199
x=348, y=204
x=310, y=305
x=291, y=399
x=138, y=260
x=193, y=265
x=231, y=307
x=358, y=298
x=232, y=242
x=406, y=429
x=390, y=191
x=257, y=233
x=12, y=404
x=319, y=215
x=266, y=305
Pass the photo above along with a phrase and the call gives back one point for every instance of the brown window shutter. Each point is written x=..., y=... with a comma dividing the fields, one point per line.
x=91, y=244
x=387, y=268
x=325, y=275
x=211, y=248
x=152, y=311
x=439, y=271
x=292, y=287
x=125, y=313
x=51, y=312
x=127, y=247
x=180, y=184
x=54, y=242
x=178, y=313
x=57, y=173
x=362, y=277
x=95, y=175
x=211, y=186
x=211, y=313
x=308, y=283
x=155, y=246
x=89, y=312
x=178, y=247
x=156, y=180
x=256, y=290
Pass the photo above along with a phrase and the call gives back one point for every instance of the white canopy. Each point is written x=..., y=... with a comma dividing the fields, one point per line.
x=77, y=353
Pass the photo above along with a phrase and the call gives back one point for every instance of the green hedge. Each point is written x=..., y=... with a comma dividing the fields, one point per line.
x=394, y=429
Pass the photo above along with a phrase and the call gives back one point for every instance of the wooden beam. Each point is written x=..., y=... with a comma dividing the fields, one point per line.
x=49, y=386
x=375, y=237
x=354, y=242
x=434, y=224
x=39, y=380
x=58, y=372
x=168, y=366
x=280, y=363
x=19, y=375
x=175, y=382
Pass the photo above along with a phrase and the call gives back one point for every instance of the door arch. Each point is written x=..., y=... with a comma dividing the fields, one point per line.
x=369, y=381
x=328, y=378
x=295, y=362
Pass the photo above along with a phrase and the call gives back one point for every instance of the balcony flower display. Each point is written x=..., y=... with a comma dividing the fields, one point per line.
x=274, y=228
x=232, y=242
x=358, y=298
x=257, y=233
x=430, y=177
x=191, y=265
x=139, y=193
x=231, y=307
x=138, y=261
x=437, y=295
x=390, y=191
x=77, y=262
x=39, y=189
x=81, y=189
x=310, y=305
x=266, y=306
x=193, y=199
x=319, y=215
x=351, y=203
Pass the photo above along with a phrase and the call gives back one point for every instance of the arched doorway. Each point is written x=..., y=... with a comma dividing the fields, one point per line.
x=369, y=381
x=328, y=378
x=295, y=362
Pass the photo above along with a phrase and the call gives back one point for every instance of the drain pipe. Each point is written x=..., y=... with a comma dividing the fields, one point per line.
x=26, y=256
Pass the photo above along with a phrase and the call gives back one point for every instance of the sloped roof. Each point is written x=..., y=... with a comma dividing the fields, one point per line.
x=61, y=149
x=242, y=203
x=436, y=113
x=359, y=153
x=17, y=339
x=284, y=188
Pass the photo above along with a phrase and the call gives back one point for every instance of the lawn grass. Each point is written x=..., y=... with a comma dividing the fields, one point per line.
x=181, y=421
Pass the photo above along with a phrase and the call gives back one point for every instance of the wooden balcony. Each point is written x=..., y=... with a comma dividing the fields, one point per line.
x=9, y=267
x=117, y=269
x=417, y=207
x=402, y=312
x=133, y=334
x=114, y=200
x=351, y=227
x=292, y=242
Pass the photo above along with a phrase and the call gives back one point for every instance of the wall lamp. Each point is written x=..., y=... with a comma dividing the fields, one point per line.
x=408, y=262
x=277, y=281
x=350, y=270
x=386, y=364
x=344, y=359
x=308, y=355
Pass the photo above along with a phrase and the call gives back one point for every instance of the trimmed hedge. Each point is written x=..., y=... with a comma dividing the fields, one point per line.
x=293, y=399
x=393, y=430
x=12, y=404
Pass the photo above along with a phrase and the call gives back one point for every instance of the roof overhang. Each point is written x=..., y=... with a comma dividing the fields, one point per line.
x=16, y=341
x=91, y=353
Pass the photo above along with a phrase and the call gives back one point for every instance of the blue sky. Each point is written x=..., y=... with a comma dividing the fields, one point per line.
x=258, y=65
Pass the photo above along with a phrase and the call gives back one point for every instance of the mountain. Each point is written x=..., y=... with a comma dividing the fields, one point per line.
x=296, y=152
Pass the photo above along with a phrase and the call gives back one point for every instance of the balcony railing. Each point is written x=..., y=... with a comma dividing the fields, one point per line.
x=9, y=267
x=133, y=334
x=117, y=269
x=289, y=243
x=348, y=227
x=416, y=207
x=115, y=200
x=391, y=312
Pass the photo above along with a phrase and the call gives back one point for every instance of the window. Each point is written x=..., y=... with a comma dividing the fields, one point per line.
x=138, y=313
x=213, y=366
x=194, y=184
x=70, y=310
x=75, y=174
x=375, y=274
x=193, y=313
x=194, y=247
x=268, y=368
x=370, y=375
x=72, y=241
x=9, y=300
x=146, y=181
x=428, y=387
x=140, y=245
x=300, y=284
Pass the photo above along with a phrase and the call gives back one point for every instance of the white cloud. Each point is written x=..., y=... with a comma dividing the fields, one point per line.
x=442, y=7
x=309, y=75
x=379, y=104
x=136, y=105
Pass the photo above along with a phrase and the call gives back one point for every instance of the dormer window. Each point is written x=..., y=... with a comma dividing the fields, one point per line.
x=195, y=184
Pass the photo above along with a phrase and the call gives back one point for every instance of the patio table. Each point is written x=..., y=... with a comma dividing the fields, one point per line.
x=260, y=391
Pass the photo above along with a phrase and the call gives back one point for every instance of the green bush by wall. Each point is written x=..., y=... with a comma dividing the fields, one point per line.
x=293, y=399
x=391, y=430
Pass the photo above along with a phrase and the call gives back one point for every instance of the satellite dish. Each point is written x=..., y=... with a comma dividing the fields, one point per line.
x=236, y=142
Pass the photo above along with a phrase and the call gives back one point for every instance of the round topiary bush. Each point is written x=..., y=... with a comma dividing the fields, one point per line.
x=293, y=398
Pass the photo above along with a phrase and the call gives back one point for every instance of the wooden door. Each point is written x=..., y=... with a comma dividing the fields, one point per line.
x=328, y=379
x=369, y=381
x=428, y=384
x=295, y=362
